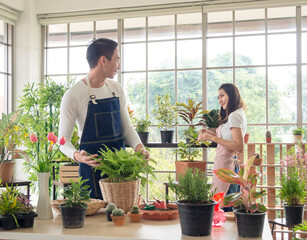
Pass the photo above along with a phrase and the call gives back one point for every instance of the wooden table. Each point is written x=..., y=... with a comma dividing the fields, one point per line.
x=96, y=227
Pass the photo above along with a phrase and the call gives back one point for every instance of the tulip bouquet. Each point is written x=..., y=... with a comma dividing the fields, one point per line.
x=41, y=153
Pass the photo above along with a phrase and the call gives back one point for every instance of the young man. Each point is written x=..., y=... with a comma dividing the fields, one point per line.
x=99, y=108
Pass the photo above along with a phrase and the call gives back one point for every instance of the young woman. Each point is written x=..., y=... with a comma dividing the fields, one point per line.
x=229, y=136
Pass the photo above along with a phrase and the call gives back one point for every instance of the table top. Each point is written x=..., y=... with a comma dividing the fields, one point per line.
x=96, y=227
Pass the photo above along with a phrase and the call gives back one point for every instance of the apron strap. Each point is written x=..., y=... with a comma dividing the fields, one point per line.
x=92, y=95
x=112, y=89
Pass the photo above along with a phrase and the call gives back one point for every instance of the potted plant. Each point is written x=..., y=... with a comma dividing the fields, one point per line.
x=134, y=214
x=211, y=120
x=293, y=185
x=187, y=153
x=73, y=210
x=166, y=115
x=258, y=159
x=39, y=160
x=11, y=136
x=189, y=112
x=195, y=204
x=268, y=136
x=9, y=207
x=142, y=129
x=246, y=138
x=110, y=207
x=126, y=171
x=26, y=217
x=118, y=217
x=249, y=214
x=298, y=135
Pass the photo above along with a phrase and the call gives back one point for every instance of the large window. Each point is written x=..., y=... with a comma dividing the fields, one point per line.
x=258, y=49
x=6, y=32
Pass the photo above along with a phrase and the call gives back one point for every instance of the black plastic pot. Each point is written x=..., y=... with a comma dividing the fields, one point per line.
x=167, y=136
x=7, y=222
x=26, y=220
x=294, y=215
x=249, y=225
x=73, y=217
x=109, y=216
x=143, y=136
x=196, y=219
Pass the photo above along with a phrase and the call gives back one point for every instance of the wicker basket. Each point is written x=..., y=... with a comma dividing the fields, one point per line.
x=124, y=194
x=93, y=206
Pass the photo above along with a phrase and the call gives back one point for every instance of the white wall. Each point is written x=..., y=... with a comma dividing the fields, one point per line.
x=55, y=6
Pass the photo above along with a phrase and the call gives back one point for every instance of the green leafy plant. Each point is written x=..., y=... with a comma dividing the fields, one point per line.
x=300, y=227
x=165, y=112
x=187, y=151
x=142, y=125
x=41, y=108
x=248, y=196
x=211, y=119
x=124, y=166
x=9, y=202
x=77, y=194
x=298, y=131
x=11, y=136
x=193, y=187
x=294, y=179
x=268, y=134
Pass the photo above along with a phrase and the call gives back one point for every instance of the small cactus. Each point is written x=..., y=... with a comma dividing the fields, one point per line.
x=268, y=134
x=118, y=212
x=110, y=207
x=135, y=209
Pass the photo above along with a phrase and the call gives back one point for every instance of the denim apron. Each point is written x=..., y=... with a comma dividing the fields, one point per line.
x=102, y=128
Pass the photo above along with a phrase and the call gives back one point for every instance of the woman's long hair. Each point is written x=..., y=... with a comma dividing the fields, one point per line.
x=235, y=101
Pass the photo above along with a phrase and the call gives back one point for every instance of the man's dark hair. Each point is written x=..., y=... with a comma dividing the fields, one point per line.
x=100, y=47
x=235, y=101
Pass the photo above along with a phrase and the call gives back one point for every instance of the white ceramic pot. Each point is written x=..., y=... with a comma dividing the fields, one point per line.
x=43, y=210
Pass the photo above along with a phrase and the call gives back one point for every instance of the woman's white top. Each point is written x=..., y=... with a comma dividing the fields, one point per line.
x=74, y=109
x=236, y=119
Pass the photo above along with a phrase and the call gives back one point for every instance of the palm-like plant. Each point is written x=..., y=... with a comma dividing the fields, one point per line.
x=247, y=180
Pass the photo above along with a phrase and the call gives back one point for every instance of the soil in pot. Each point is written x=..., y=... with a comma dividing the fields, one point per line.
x=73, y=217
x=249, y=225
x=196, y=219
x=294, y=215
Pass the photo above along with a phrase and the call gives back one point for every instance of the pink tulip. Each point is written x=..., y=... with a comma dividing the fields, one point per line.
x=51, y=137
x=62, y=141
x=33, y=138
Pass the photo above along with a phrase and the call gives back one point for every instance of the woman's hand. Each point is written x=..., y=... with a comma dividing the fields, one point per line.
x=206, y=135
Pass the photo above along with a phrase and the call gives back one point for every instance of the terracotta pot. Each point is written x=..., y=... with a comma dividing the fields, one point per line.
x=135, y=218
x=268, y=140
x=7, y=170
x=118, y=220
x=182, y=166
x=246, y=137
x=257, y=161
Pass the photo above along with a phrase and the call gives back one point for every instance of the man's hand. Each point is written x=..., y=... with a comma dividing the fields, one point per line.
x=83, y=157
x=140, y=147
